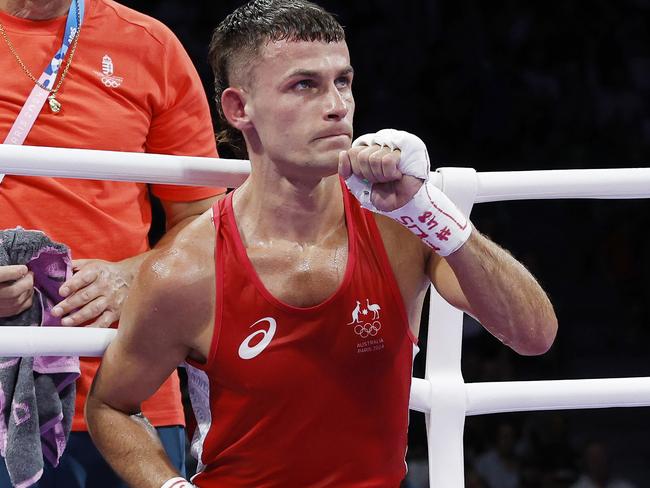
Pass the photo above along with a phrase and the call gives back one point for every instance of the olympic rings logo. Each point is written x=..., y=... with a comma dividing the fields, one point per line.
x=111, y=81
x=367, y=329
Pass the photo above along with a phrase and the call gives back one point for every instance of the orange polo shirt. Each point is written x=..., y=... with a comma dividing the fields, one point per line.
x=131, y=87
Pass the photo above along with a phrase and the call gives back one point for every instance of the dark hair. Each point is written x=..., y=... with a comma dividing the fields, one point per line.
x=241, y=34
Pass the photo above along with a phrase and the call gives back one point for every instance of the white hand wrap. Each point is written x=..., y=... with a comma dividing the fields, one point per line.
x=177, y=482
x=430, y=214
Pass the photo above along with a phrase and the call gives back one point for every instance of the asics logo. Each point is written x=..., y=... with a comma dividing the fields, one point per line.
x=245, y=349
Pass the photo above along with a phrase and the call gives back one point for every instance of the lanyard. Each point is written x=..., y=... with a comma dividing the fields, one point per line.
x=32, y=107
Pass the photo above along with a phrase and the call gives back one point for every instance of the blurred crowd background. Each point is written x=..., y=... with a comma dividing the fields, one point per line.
x=519, y=86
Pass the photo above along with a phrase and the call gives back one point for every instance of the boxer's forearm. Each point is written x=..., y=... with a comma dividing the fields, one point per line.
x=129, y=444
x=504, y=296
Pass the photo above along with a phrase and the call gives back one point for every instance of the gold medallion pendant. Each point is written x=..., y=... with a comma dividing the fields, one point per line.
x=55, y=105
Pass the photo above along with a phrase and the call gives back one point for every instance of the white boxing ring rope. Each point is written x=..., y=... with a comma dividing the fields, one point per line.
x=186, y=170
x=54, y=341
x=443, y=395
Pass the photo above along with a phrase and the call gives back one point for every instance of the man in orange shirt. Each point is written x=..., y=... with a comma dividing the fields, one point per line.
x=125, y=84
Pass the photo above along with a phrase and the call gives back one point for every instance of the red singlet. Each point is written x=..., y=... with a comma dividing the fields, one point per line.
x=304, y=397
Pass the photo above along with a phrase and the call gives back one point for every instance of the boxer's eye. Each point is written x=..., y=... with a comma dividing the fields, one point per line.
x=304, y=85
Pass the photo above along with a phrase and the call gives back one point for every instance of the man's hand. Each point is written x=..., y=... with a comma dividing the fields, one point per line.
x=16, y=289
x=385, y=169
x=388, y=172
x=97, y=290
x=378, y=165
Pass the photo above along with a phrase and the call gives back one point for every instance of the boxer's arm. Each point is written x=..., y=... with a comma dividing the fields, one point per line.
x=485, y=281
x=388, y=173
x=155, y=336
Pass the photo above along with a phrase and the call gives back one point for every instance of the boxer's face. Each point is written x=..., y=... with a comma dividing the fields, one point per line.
x=300, y=104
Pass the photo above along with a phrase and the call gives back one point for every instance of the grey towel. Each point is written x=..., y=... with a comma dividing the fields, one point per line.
x=36, y=394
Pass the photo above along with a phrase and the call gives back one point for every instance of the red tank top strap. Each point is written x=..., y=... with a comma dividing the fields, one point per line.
x=219, y=209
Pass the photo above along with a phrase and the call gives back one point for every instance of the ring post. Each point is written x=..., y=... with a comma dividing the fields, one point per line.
x=448, y=400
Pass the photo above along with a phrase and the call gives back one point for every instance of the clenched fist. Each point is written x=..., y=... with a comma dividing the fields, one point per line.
x=379, y=165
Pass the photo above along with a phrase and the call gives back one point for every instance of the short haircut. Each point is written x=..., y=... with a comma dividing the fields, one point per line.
x=239, y=38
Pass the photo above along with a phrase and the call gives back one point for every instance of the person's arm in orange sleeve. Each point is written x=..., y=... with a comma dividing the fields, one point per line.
x=181, y=125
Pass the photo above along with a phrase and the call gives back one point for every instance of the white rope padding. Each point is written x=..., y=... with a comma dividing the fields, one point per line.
x=185, y=170
x=520, y=396
x=122, y=166
x=54, y=341
x=524, y=396
x=563, y=183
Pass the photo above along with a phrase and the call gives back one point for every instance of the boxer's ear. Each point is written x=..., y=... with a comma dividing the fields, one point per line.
x=233, y=104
